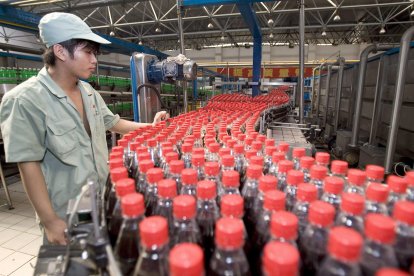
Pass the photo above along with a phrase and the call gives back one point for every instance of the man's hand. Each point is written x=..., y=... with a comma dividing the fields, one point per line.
x=160, y=116
x=55, y=231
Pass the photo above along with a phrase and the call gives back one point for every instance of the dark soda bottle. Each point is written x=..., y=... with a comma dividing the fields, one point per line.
x=284, y=167
x=127, y=245
x=376, y=198
x=153, y=257
x=334, y=186
x=154, y=175
x=171, y=156
x=186, y=259
x=352, y=210
x=344, y=249
x=186, y=149
x=391, y=272
x=293, y=179
x=398, y=188
x=229, y=257
x=307, y=193
x=284, y=227
x=141, y=182
x=231, y=183
x=198, y=165
x=116, y=174
x=212, y=172
x=266, y=183
x=277, y=264
x=153, y=151
x=318, y=174
x=239, y=159
x=185, y=228
x=176, y=166
x=404, y=245
x=167, y=191
x=115, y=162
x=189, y=179
x=269, y=150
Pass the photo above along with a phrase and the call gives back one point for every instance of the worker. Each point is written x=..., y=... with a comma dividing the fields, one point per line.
x=54, y=125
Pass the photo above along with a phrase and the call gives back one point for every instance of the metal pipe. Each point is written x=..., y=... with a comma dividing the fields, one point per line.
x=180, y=25
x=328, y=86
x=338, y=95
x=301, y=59
x=398, y=98
x=318, y=95
x=379, y=90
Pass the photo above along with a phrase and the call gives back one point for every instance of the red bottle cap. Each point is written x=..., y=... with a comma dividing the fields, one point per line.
x=122, y=143
x=267, y=183
x=186, y=147
x=224, y=152
x=283, y=147
x=298, y=152
x=145, y=165
x=134, y=145
x=269, y=150
x=239, y=149
x=339, y=167
x=154, y=175
x=294, y=177
x=176, y=166
x=206, y=189
x=231, y=178
x=151, y=143
x=285, y=166
x=274, y=200
x=276, y=264
x=227, y=160
x=409, y=177
x=232, y=143
x=307, y=192
x=284, y=225
x=132, y=205
x=232, y=206
x=167, y=188
x=186, y=259
x=208, y=141
x=116, y=155
x=141, y=149
x=118, y=149
x=375, y=172
x=345, y=244
x=318, y=172
x=261, y=138
x=254, y=171
x=166, y=150
x=248, y=141
x=229, y=233
x=357, y=177
x=253, y=134
x=256, y=160
x=404, y=212
x=321, y=213
x=377, y=192
x=198, y=151
x=154, y=231
x=391, y=272
x=380, y=228
x=143, y=156
x=352, y=203
x=397, y=184
x=306, y=162
x=116, y=163
x=189, y=176
x=184, y=207
x=198, y=160
x=322, y=158
x=118, y=173
x=124, y=186
x=212, y=168
x=250, y=153
x=333, y=185
x=241, y=137
x=214, y=147
x=171, y=156
x=257, y=146
x=270, y=142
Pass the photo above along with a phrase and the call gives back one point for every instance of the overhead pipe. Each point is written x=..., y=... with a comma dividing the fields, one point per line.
x=301, y=59
x=398, y=98
x=182, y=50
x=318, y=95
x=338, y=94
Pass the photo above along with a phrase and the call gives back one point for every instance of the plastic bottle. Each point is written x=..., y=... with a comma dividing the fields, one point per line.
x=404, y=246
x=153, y=257
x=228, y=257
x=116, y=174
x=258, y=147
x=269, y=150
x=297, y=154
x=213, y=150
x=176, y=166
x=284, y=227
x=376, y=199
x=344, y=249
x=398, y=188
x=171, y=156
x=318, y=174
x=198, y=165
x=409, y=177
x=212, y=172
x=276, y=158
x=230, y=183
x=154, y=175
x=378, y=251
x=332, y=191
x=153, y=151
x=294, y=178
x=276, y=264
x=374, y=174
x=189, y=179
x=284, y=167
x=185, y=228
x=186, y=259
x=391, y=272
x=339, y=168
x=356, y=181
x=266, y=183
x=126, y=250
x=306, y=162
x=227, y=164
x=186, y=150
x=322, y=159
x=306, y=194
x=124, y=144
x=114, y=162
x=167, y=191
x=283, y=147
x=352, y=210
x=141, y=183
x=250, y=192
x=315, y=238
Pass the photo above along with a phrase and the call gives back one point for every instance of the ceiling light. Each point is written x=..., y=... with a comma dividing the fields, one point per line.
x=112, y=33
x=323, y=33
x=140, y=42
x=382, y=31
x=336, y=18
x=157, y=30
x=270, y=22
x=271, y=35
x=210, y=26
x=222, y=37
x=412, y=12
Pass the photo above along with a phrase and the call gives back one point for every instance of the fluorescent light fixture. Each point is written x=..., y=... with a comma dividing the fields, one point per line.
x=412, y=11
x=332, y=3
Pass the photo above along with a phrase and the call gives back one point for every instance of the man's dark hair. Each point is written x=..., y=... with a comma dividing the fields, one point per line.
x=71, y=45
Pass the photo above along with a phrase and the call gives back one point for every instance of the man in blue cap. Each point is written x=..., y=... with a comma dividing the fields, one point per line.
x=54, y=125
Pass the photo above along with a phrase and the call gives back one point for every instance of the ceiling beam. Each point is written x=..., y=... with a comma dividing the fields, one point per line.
x=89, y=5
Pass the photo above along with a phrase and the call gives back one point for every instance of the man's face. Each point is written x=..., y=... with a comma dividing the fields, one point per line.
x=84, y=61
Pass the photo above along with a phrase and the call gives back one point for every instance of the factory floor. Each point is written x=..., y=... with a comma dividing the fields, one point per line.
x=20, y=236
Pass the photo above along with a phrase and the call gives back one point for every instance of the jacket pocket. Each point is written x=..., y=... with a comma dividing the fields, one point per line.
x=61, y=136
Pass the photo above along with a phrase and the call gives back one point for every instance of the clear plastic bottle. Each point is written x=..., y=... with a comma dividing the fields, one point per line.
x=248, y=143
x=356, y=181
x=176, y=166
x=186, y=150
x=185, y=228
x=374, y=174
x=231, y=183
x=228, y=257
x=126, y=250
x=189, y=179
x=213, y=152
x=322, y=159
x=270, y=142
x=318, y=174
x=284, y=147
x=306, y=194
x=284, y=167
x=404, y=245
x=352, y=210
x=294, y=178
x=332, y=191
x=171, y=156
x=344, y=249
x=153, y=257
x=154, y=175
x=284, y=227
x=256, y=160
x=212, y=172
x=224, y=152
x=258, y=147
x=339, y=168
x=376, y=199
x=398, y=188
x=378, y=251
x=269, y=150
x=297, y=154
x=186, y=259
x=227, y=164
x=153, y=151
x=306, y=162
x=167, y=191
x=409, y=177
x=141, y=182
x=163, y=156
x=276, y=158
x=116, y=174
x=276, y=264
x=315, y=238
x=198, y=165
x=123, y=187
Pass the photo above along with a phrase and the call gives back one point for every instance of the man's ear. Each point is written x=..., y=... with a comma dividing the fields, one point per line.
x=60, y=52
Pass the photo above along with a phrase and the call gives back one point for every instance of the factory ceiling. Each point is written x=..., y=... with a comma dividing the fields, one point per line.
x=154, y=23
